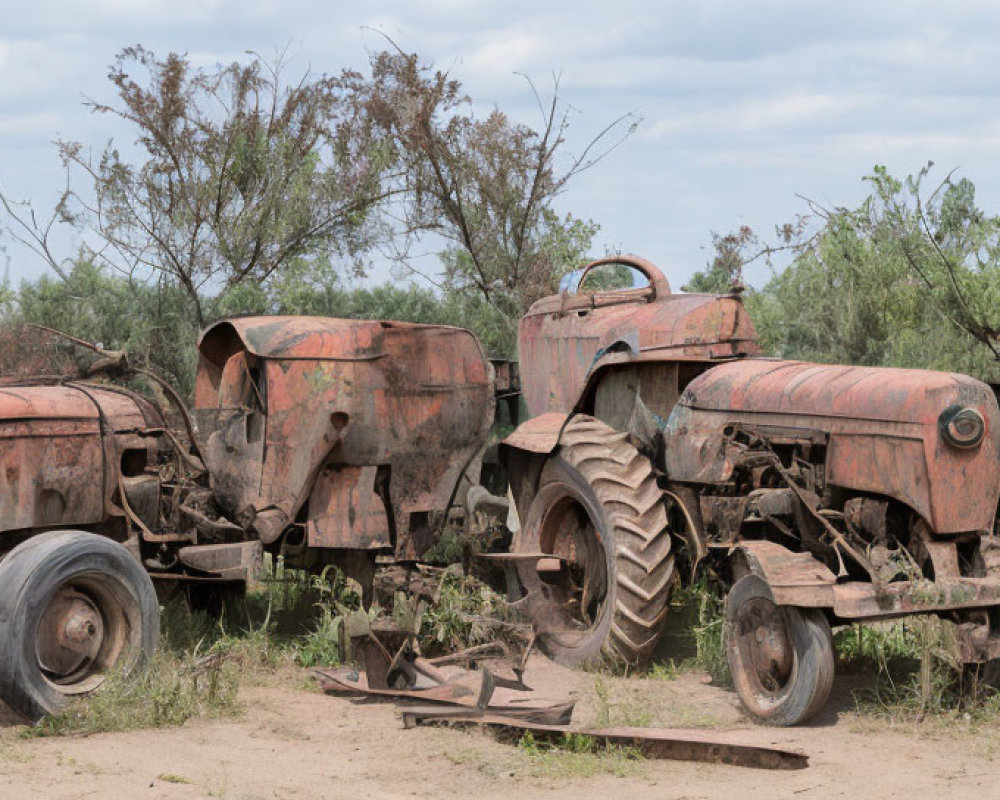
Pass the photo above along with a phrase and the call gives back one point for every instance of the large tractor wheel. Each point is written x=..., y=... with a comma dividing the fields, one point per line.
x=599, y=511
x=781, y=658
x=74, y=607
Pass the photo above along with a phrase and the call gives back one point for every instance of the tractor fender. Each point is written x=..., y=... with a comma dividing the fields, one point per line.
x=538, y=435
x=795, y=579
x=524, y=452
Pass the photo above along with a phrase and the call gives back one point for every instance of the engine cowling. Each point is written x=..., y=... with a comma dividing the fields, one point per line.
x=929, y=440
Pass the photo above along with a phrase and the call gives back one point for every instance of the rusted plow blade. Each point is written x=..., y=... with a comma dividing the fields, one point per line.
x=454, y=694
x=655, y=743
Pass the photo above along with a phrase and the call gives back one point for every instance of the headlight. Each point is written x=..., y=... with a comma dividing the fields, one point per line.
x=961, y=426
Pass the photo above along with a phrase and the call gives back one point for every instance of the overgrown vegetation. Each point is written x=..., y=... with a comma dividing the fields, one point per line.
x=291, y=619
x=910, y=277
x=462, y=616
x=701, y=606
x=172, y=689
x=916, y=671
x=576, y=755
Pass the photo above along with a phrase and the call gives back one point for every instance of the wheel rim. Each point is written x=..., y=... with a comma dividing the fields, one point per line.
x=84, y=632
x=766, y=655
x=575, y=581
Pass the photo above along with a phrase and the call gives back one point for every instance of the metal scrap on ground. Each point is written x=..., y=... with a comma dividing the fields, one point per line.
x=454, y=691
x=428, y=693
x=659, y=743
x=501, y=707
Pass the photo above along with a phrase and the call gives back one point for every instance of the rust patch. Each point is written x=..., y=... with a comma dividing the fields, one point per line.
x=285, y=400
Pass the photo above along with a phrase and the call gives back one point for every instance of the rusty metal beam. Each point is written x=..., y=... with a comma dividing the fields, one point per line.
x=659, y=743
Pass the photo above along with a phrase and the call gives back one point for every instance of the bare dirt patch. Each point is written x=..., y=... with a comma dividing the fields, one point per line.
x=294, y=743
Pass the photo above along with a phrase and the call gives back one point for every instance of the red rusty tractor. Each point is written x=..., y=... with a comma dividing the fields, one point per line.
x=332, y=440
x=324, y=440
x=823, y=495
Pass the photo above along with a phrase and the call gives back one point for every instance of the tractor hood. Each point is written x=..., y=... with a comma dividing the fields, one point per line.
x=565, y=339
x=340, y=420
x=85, y=403
x=885, y=431
x=852, y=393
x=299, y=337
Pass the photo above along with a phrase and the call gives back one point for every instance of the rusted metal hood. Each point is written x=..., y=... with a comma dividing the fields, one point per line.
x=563, y=340
x=880, y=428
x=299, y=337
x=68, y=403
x=368, y=425
x=45, y=402
x=59, y=450
x=856, y=393
x=676, y=321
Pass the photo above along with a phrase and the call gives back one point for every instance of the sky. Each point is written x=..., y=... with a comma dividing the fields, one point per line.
x=746, y=107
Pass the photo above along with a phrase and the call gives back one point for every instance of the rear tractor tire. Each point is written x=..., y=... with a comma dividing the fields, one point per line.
x=780, y=657
x=599, y=511
x=74, y=607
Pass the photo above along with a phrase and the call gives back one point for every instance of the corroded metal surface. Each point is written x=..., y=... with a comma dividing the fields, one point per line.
x=56, y=465
x=879, y=427
x=676, y=744
x=362, y=428
x=864, y=492
x=564, y=339
x=539, y=434
x=799, y=579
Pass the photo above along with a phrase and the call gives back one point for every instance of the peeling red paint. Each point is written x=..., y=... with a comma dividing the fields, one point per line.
x=324, y=420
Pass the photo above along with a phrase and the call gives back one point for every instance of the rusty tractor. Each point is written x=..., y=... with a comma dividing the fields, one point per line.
x=326, y=441
x=660, y=441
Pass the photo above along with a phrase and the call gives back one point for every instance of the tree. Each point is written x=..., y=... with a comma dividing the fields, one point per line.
x=147, y=319
x=485, y=185
x=950, y=246
x=900, y=280
x=234, y=174
x=243, y=193
x=838, y=301
x=725, y=271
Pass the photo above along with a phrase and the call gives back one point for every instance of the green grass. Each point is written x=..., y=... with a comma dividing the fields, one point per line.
x=576, y=756
x=170, y=691
x=702, y=605
x=290, y=620
x=917, y=672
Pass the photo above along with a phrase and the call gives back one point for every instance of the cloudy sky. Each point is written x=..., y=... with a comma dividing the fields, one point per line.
x=744, y=105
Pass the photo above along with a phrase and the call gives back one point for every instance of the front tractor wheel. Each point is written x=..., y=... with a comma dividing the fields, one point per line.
x=600, y=514
x=74, y=607
x=780, y=657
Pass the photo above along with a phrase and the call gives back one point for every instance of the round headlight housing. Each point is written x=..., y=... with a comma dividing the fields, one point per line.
x=961, y=426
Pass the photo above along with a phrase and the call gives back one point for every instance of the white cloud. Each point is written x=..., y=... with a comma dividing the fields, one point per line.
x=745, y=103
x=30, y=126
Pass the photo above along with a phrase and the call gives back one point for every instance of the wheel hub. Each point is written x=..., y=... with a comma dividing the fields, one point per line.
x=763, y=639
x=70, y=634
x=574, y=582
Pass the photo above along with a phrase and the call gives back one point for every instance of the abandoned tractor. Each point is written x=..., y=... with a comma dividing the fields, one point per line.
x=332, y=441
x=81, y=500
x=821, y=494
x=326, y=441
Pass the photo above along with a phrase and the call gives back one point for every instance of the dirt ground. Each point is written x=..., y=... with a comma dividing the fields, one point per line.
x=293, y=742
